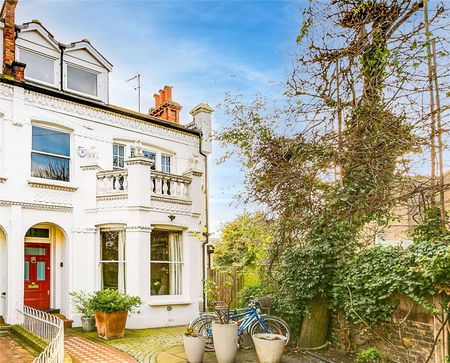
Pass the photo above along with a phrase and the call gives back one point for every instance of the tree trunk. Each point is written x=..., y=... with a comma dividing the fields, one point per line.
x=314, y=329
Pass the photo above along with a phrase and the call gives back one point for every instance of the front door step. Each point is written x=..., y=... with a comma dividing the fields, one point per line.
x=53, y=311
x=67, y=322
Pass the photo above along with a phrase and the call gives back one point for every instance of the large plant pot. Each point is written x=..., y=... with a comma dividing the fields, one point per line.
x=111, y=325
x=269, y=347
x=194, y=347
x=88, y=324
x=225, y=341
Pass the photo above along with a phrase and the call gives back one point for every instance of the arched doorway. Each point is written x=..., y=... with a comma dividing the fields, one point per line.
x=44, y=276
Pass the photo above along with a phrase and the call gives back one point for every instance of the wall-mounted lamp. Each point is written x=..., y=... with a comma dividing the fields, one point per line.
x=171, y=217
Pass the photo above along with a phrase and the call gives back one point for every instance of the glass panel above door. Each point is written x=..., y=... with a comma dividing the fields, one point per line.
x=35, y=251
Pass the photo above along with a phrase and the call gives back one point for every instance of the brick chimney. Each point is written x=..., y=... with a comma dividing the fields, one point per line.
x=10, y=66
x=165, y=107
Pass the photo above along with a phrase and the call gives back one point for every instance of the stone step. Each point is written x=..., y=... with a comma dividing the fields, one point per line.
x=67, y=322
x=4, y=329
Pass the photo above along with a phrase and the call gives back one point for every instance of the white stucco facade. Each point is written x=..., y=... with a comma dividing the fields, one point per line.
x=136, y=199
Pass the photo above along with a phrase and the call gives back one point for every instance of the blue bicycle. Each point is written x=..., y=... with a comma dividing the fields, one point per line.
x=248, y=319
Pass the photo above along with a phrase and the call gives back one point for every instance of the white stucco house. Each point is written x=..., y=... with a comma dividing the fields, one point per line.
x=92, y=195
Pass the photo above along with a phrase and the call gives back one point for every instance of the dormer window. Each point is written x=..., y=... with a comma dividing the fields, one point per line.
x=39, y=67
x=80, y=80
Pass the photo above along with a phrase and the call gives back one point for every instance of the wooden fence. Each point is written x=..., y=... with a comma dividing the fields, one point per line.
x=221, y=279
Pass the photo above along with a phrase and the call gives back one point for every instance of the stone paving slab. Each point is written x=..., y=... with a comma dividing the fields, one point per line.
x=11, y=351
x=177, y=355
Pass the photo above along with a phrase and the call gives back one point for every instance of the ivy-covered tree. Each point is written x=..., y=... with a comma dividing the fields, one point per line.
x=340, y=163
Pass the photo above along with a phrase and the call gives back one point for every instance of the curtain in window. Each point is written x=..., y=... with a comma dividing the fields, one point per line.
x=177, y=258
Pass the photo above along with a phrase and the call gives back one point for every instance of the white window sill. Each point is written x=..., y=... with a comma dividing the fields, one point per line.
x=51, y=184
x=82, y=94
x=169, y=302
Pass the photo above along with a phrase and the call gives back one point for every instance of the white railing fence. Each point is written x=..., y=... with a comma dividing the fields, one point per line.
x=50, y=329
x=112, y=181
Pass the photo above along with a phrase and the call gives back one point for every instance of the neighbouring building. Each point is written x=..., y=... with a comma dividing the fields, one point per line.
x=92, y=195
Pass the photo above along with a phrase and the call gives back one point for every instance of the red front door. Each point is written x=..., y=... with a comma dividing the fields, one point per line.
x=37, y=275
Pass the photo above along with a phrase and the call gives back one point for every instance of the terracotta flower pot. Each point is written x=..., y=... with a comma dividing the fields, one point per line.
x=194, y=347
x=111, y=325
x=269, y=347
x=225, y=341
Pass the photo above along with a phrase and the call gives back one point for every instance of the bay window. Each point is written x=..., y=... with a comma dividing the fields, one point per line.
x=50, y=154
x=166, y=263
x=112, y=259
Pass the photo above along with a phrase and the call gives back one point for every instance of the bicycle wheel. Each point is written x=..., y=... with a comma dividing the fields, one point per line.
x=274, y=324
x=203, y=327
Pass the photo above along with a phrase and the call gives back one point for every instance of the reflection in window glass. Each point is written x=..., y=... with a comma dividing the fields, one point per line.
x=81, y=81
x=50, y=156
x=118, y=156
x=38, y=232
x=166, y=263
x=40, y=271
x=38, y=67
x=26, y=271
x=149, y=155
x=112, y=263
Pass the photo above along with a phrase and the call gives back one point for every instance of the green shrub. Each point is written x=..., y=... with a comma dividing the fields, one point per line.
x=82, y=300
x=109, y=301
x=370, y=355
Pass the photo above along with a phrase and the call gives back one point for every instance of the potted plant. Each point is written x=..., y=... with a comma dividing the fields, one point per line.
x=111, y=309
x=81, y=301
x=269, y=347
x=194, y=346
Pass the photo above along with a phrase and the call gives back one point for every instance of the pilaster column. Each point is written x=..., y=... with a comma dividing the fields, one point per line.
x=15, y=266
x=89, y=185
x=139, y=181
x=137, y=257
x=196, y=191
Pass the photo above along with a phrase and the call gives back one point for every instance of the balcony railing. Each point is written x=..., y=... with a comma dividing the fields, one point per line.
x=50, y=329
x=113, y=182
x=176, y=186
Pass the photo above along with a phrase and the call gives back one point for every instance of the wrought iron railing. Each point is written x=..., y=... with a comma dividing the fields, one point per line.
x=48, y=328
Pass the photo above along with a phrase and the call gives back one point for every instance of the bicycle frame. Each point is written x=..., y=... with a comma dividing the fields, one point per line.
x=246, y=318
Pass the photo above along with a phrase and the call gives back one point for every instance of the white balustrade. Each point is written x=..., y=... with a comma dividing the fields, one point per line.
x=112, y=182
x=50, y=329
x=176, y=186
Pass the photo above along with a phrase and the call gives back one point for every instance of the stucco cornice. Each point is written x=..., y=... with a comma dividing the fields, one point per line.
x=53, y=207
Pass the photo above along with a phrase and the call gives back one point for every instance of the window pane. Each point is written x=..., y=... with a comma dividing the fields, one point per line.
x=81, y=81
x=110, y=275
x=160, y=278
x=35, y=251
x=165, y=164
x=40, y=271
x=110, y=245
x=38, y=67
x=26, y=271
x=51, y=141
x=49, y=167
x=160, y=246
x=38, y=232
x=118, y=156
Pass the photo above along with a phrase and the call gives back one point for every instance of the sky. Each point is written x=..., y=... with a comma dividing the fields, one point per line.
x=204, y=49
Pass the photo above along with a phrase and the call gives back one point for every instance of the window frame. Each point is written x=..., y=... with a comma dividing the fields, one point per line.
x=88, y=70
x=43, y=55
x=118, y=156
x=172, y=262
x=164, y=165
x=121, y=278
x=44, y=153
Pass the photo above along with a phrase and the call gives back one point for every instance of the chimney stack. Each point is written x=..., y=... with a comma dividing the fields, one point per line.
x=165, y=108
x=10, y=66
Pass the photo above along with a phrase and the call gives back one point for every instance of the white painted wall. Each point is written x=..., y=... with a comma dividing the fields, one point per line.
x=78, y=214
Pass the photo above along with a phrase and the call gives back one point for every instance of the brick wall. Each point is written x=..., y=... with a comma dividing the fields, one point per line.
x=413, y=337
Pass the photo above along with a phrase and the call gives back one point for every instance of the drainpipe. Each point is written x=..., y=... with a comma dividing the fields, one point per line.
x=61, y=67
x=206, y=222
